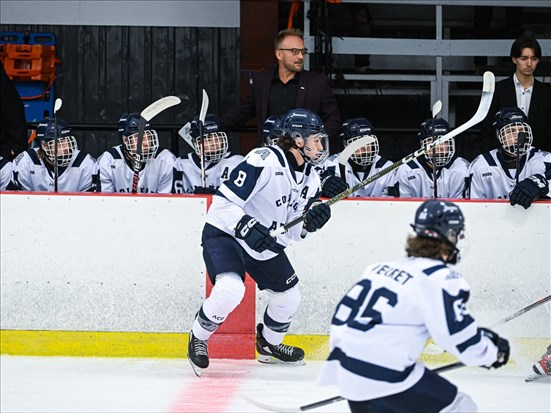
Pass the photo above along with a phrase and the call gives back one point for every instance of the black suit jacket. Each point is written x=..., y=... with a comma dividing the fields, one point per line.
x=539, y=115
x=13, y=126
x=314, y=93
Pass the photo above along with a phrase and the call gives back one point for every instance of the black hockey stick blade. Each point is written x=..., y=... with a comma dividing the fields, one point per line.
x=482, y=111
x=331, y=400
x=145, y=116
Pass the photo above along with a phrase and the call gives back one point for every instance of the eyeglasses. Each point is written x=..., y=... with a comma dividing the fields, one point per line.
x=297, y=51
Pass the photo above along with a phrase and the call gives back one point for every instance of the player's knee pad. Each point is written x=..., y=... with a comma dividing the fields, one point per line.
x=283, y=305
x=226, y=294
x=461, y=404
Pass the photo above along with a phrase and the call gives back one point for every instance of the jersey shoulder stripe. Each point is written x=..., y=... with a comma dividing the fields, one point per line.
x=279, y=155
x=470, y=342
x=81, y=156
x=431, y=270
x=412, y=164
x=34, y=156
x=489, y=159
x=380, y=163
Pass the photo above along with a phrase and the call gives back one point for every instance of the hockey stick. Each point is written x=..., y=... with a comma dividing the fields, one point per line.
x=436, y=108
x=479, y=116
x=147, y=114
x=57, y=105
x=202, y=116
x=435, y=349
x=347, y=152
x=331, y=400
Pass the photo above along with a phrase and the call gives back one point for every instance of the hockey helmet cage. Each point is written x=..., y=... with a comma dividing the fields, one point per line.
x=215, y=141
x=357, y=128
x=432, y=129
x=66, y=142
x=508, y=124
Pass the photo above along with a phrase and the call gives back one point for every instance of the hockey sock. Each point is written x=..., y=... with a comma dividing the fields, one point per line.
x=279, y=314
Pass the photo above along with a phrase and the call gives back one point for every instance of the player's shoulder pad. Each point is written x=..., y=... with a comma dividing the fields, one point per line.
x=265, y=155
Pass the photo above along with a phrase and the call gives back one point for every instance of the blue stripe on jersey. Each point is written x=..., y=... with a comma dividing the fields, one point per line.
x=470, y=342
x=368, y=370
x=547, y=170
x=432, y=270
x=81, y=156
x=114, y=153
x=280, y=158
x=457, y=315
x=380, y=163
x=489, y=158
x=34, y=156
x=246, y=175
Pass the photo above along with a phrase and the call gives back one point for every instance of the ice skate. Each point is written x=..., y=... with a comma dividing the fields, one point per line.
x=280, y=354
x=541, y=369
x=198, y=354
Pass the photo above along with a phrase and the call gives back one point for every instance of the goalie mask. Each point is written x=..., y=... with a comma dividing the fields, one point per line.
x=215, y=141
x=354, y=129
x=307, y=133
x=431, y=130
x=271, y=131
x=511, y=124
x=66, y=142
x=128, y=128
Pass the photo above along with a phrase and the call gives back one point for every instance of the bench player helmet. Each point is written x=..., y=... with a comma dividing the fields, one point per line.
x=215, y=141
x=307, y=133
x=271, y=131
x=128, y=128
x=354, y=129
x=430, y=130
x=66, y=142
x=509, y=123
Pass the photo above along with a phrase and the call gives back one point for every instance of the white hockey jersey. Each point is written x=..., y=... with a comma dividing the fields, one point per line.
x=265, y=186
x=31, y=174
x=116, y=174
x=380, y=328
x=188, y=172
x=377, y=188
x=491, y=178
x=6, y=173
x=415, y=179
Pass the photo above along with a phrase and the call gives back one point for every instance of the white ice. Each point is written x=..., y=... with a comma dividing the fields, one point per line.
x=71, y=384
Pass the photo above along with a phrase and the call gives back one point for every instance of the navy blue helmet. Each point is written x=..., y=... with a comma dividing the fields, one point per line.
x=272, y=130
x=430, y=130
x=440, y=220
x=129, y=127
x=306, y=130
x=215, y=141
x=357, y=128
x=45, y=131
x=508, y=124
x=66, y=142
x=129, y=124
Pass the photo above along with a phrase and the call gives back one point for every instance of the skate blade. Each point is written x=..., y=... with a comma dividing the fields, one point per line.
x=197, y=370
x=534, y=376
x=272, y=360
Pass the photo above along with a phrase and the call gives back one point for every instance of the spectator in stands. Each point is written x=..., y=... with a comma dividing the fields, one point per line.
x=439, y=173
x=13, y=126
x=515, y=170
x=216, y=165
x=116, y=165
x=35, y=169
x=524, y=91
x=287, y=86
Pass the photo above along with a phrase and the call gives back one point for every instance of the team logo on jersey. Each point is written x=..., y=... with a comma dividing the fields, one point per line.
x=457, y=314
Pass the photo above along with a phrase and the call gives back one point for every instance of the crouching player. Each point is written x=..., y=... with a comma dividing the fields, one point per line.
x=381, y=325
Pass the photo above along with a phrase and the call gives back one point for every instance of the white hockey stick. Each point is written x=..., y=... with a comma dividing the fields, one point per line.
x=145, y=116
x=331, y=400
x=57, y=105
x=202, y=116
x=482, y=111
x=436, y=108
x=347, y=152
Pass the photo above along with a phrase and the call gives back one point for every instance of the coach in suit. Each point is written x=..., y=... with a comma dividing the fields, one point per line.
x=287, y=86
x=13, y=126
x=524, y=91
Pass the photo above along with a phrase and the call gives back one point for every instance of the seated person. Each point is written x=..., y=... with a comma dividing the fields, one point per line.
x=272, y=130
x=35, y=169
x=515, y=170
x=437, y=174
x=216, y=165
x=6, y=174
x=116, y=165
x=363, y=163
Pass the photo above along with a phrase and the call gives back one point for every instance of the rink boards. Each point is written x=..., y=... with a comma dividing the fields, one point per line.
x=122, y=275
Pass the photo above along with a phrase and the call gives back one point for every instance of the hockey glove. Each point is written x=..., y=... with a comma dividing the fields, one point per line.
x=503, y=348
x=256, y=235
x=316, y=217
x=528, y=190
x=204, y=190
x=333, y=186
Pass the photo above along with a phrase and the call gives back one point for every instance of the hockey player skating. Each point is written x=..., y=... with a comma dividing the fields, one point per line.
x=541, y=368
x=380, y=327
x=416, y=178
x=516, y=170
x=365, y=162
x=116, y=165
x=218, y=161
x=272, y=185
x=33, y=170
